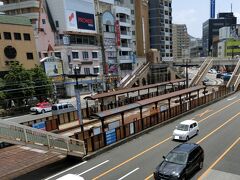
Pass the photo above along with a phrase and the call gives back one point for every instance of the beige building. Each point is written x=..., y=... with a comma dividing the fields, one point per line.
x=17, y=42
x=142, y=27
x=180, y=40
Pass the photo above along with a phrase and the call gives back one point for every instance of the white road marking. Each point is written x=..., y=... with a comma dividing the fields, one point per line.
x=229, y=99
x=128, y=174
x=93, y=167
x=66, y=170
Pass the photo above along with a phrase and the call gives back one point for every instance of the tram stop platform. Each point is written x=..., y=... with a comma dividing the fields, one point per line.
x=17, y=160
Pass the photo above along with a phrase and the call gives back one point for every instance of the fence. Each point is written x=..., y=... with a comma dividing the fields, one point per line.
x=20, y=134
x=96, y=142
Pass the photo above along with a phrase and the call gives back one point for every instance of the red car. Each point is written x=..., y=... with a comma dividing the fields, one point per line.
x=42, y=107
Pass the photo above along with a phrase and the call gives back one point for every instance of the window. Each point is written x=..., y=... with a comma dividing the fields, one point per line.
x=57, y=24
x=75, y=55
x=132, y=11
x=26, y=37
x=85, y=55
x=133, y=22
x=95, y=70
x=133, y=32
x=57, y=54
x=94, y=55
x=87, y=71
x=45, y=54
x=7, y=35
x=40, y=55
x=43, y=21
x=17, y=36
x=30, y=56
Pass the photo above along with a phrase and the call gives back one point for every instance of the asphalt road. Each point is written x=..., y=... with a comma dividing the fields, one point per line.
x=219, y=136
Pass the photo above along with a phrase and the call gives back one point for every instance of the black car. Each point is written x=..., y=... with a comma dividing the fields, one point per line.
x=181, y=162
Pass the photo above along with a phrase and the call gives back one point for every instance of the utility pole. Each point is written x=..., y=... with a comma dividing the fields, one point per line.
x=100, y=35
x=76, y=76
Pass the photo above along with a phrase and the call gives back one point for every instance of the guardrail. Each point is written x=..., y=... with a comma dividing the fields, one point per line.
x=19, y=134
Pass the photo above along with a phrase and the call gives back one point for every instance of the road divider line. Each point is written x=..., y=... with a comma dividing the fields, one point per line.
x=218, y=111
x=66, y=170
x=219, y=159
x=129, y=173
x=132, y=158
x=149, y=177
x=93, y=167
x=205, y=137
x=219, y=127
x=156, y=145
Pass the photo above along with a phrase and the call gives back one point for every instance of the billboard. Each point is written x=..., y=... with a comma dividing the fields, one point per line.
x=85, y=21
x=52, y=66
x=80, y=15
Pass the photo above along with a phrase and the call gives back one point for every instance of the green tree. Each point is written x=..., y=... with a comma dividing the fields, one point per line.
x=2, y=94
x=43, y=86
x=18, y=84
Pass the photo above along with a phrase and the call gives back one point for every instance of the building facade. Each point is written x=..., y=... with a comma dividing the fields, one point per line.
x=17, y=43
x=38, y=13
x=160, y=25
x=180, y=40
x=211, y=31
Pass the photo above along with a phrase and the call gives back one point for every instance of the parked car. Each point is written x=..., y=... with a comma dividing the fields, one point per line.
x=62, y=108
x=181, y=162
x=41, y=107
x=185, y=130
x=212, y=71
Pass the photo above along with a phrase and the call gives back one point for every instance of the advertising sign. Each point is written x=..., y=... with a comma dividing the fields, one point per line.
x=40, y=125
x=53, y=68
x=80, y=15
x=85, y=21
x=117, y=31
x=111, y=136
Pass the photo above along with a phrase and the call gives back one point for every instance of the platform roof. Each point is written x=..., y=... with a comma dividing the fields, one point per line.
x=129, y=90
x=148, y=101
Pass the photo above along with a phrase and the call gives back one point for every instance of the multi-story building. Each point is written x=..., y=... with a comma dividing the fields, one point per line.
x=160, y=25
x=180, y=40
x=37, y=12
x=211, y=31
x=195, y=47
x=17, y=43
x=125, y=16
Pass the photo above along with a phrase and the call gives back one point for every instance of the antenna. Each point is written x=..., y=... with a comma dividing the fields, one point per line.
x=212, y=9
x=231, y=7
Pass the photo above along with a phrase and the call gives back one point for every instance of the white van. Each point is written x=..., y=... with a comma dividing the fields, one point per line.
x=62, y=108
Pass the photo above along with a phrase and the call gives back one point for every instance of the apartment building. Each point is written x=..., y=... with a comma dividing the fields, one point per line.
x=160, y=25
x=180, y=40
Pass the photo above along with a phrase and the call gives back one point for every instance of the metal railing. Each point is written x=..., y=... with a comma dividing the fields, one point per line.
x=235, y=78
x=19, y=134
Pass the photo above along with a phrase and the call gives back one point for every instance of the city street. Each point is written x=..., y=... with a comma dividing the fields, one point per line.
x=219, y=136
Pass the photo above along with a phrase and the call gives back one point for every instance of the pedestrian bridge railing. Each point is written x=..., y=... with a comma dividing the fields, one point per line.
x=19, y=134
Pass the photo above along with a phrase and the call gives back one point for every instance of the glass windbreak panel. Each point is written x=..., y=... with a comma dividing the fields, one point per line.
x=177, y=157
x=182, y=127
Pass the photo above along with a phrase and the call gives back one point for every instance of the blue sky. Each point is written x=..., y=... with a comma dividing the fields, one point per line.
x=194, y=12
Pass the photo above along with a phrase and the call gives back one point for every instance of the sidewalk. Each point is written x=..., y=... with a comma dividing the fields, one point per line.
x=18, y=160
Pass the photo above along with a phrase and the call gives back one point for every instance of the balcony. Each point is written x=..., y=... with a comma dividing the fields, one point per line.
x=20, y=5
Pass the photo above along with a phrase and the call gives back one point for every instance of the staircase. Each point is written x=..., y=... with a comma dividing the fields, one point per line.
x=129, y=80
x=235, y=78
x=203, y=70
x=19, y=134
